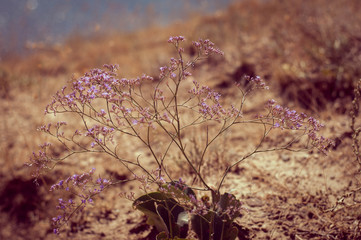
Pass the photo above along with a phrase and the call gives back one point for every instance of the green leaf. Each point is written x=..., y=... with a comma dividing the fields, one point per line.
x=171, y=214
x=147, y=200
x=163, y=212
x=201, y=225
x=147, y=204
x=162, y=236
x=169, y=220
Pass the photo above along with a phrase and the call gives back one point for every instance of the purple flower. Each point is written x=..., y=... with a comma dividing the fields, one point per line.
x=173, y=75
x=176, y=39
x=206, y=47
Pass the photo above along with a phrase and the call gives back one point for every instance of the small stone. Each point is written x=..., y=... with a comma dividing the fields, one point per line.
x=254, y=202
x=285, y=157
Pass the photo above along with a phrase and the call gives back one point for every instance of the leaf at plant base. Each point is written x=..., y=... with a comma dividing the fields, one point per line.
x=147, y=204
x=175, y=210
x=155, y=220
x=169, y=220
x=147, y=200
x=224, y=201
x=223, y=228
x=232, y=234
x=201, y=225
x=178, y=228
x=162, y=212
x=162, y=236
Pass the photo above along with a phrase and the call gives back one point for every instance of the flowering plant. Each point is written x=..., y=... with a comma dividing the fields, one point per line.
x=109, y=107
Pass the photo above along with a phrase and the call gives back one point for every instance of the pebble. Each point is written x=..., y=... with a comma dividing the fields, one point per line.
x=285, y=157
x=254, y=202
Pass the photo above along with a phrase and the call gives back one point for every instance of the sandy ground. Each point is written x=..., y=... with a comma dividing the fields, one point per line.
x=287, y=195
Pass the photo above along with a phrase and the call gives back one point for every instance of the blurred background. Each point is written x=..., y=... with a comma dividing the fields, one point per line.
x=26, y=24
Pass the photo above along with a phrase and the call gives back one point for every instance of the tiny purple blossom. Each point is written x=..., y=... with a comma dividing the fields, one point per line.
x=173, y=75
x=176, y=39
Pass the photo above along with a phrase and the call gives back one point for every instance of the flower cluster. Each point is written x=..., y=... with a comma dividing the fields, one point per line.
x=57, y=131
x=206, y=47
x=257, y=82
x=96, y=84
x=114, y=103
x=174, y=70
x=155, y=177
x=100, y=134
x=209, y=103
x=286, y=118
x=252, y=84
x=180, y=187
x=199, y=206
x=84, y=187
x=317, y=141
x=40, y=160
x=176, y=39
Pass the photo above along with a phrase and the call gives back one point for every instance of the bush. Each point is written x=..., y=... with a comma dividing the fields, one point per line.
x=110, y=107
